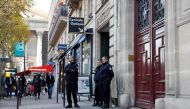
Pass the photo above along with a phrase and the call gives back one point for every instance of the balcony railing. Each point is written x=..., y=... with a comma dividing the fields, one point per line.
x=73, y=3
x=62, y=11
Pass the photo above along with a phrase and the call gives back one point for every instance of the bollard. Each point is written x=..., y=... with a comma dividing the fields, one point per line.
x=64, y=93
x=57, y=91
x=18, y=99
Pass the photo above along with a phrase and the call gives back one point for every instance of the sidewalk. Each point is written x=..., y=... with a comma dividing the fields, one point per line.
x=44, y=103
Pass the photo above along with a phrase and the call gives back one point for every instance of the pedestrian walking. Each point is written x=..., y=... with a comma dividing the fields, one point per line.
x=37, y=86
x=106, y=75
x=22, y=86
x=9, y=81
x=43, y=85
x=98, y=101
x=50, y=83
x=71, y=77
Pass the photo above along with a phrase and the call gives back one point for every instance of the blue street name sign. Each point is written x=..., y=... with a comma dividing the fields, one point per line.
x=62, y=47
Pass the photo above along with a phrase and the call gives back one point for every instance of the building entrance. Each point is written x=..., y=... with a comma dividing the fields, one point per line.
x=149, y=52
x=104, y=41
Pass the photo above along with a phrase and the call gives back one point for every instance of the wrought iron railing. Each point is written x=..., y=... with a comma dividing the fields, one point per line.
x=61, y=11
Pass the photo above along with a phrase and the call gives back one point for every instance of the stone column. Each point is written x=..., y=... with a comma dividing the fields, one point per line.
x=39, y=48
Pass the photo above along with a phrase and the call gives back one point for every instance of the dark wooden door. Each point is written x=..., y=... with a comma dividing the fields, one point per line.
x=159, y=62
x=143, y=69
x=104, y=40
x=149, y=52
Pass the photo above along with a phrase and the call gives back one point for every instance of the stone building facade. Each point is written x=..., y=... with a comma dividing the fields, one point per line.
x=147, y=42
x=156, y=35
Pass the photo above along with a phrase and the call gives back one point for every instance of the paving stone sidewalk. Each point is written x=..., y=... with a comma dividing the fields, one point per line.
x=29, y=102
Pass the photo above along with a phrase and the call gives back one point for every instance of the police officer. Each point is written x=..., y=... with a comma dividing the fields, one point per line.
x=71, y=77
x=106, y=75
x=97, y=85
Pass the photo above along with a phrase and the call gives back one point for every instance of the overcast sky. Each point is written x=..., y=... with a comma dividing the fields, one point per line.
x=40, y=9
x=43, y=5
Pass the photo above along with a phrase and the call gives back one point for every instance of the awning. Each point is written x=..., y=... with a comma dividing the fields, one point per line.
x=77, y=42
x=45, y=68
x=26, y=72
x=88, y=32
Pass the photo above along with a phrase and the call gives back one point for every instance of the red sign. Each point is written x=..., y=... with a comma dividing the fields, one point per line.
x=45, y=68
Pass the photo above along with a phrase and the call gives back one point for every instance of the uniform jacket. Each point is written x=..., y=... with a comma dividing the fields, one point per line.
x=97, y=73
x=106, y=72
x=71, y=71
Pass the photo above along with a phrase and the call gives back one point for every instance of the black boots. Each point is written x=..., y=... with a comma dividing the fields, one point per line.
x=70, y=106
x=77, y=106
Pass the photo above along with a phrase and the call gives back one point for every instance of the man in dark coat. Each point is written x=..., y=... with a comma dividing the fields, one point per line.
x=22, y=84
x=71, y=77
x=106, y=75
x=9, y=81
x=98, y=101
x=50, y=83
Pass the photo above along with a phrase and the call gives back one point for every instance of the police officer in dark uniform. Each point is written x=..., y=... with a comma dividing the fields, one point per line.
x=98, y=101
x=106, y=75
x=71, y=77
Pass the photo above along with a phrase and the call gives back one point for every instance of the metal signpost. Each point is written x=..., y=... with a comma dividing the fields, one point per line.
x=19, y=51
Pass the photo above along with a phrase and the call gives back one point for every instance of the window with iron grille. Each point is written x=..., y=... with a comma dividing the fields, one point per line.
x=158, y=9
x=143, y=13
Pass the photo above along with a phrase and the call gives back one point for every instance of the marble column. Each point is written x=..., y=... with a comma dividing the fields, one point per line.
x=39, y=48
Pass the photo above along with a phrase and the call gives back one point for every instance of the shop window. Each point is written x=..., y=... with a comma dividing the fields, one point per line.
x=86, y=58
x=77, y=55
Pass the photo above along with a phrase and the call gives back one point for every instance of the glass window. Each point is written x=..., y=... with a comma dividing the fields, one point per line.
x=86, y=58
x=143, y=13
x=77, y=57
x=158, y=9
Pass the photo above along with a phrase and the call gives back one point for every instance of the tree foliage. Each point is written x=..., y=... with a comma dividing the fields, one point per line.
x=13, y=28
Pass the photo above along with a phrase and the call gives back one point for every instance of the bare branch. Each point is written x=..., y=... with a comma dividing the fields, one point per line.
x=4, y=4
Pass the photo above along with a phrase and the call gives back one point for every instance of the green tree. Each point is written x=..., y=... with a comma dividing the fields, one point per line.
x=13, y=28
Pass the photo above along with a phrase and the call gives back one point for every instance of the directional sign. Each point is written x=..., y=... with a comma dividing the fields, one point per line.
x=19, y=50
x=76, y=24
x=62, y=47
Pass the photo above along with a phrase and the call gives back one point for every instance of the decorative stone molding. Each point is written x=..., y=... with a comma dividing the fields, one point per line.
x=183, y=11
x=103, y=16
